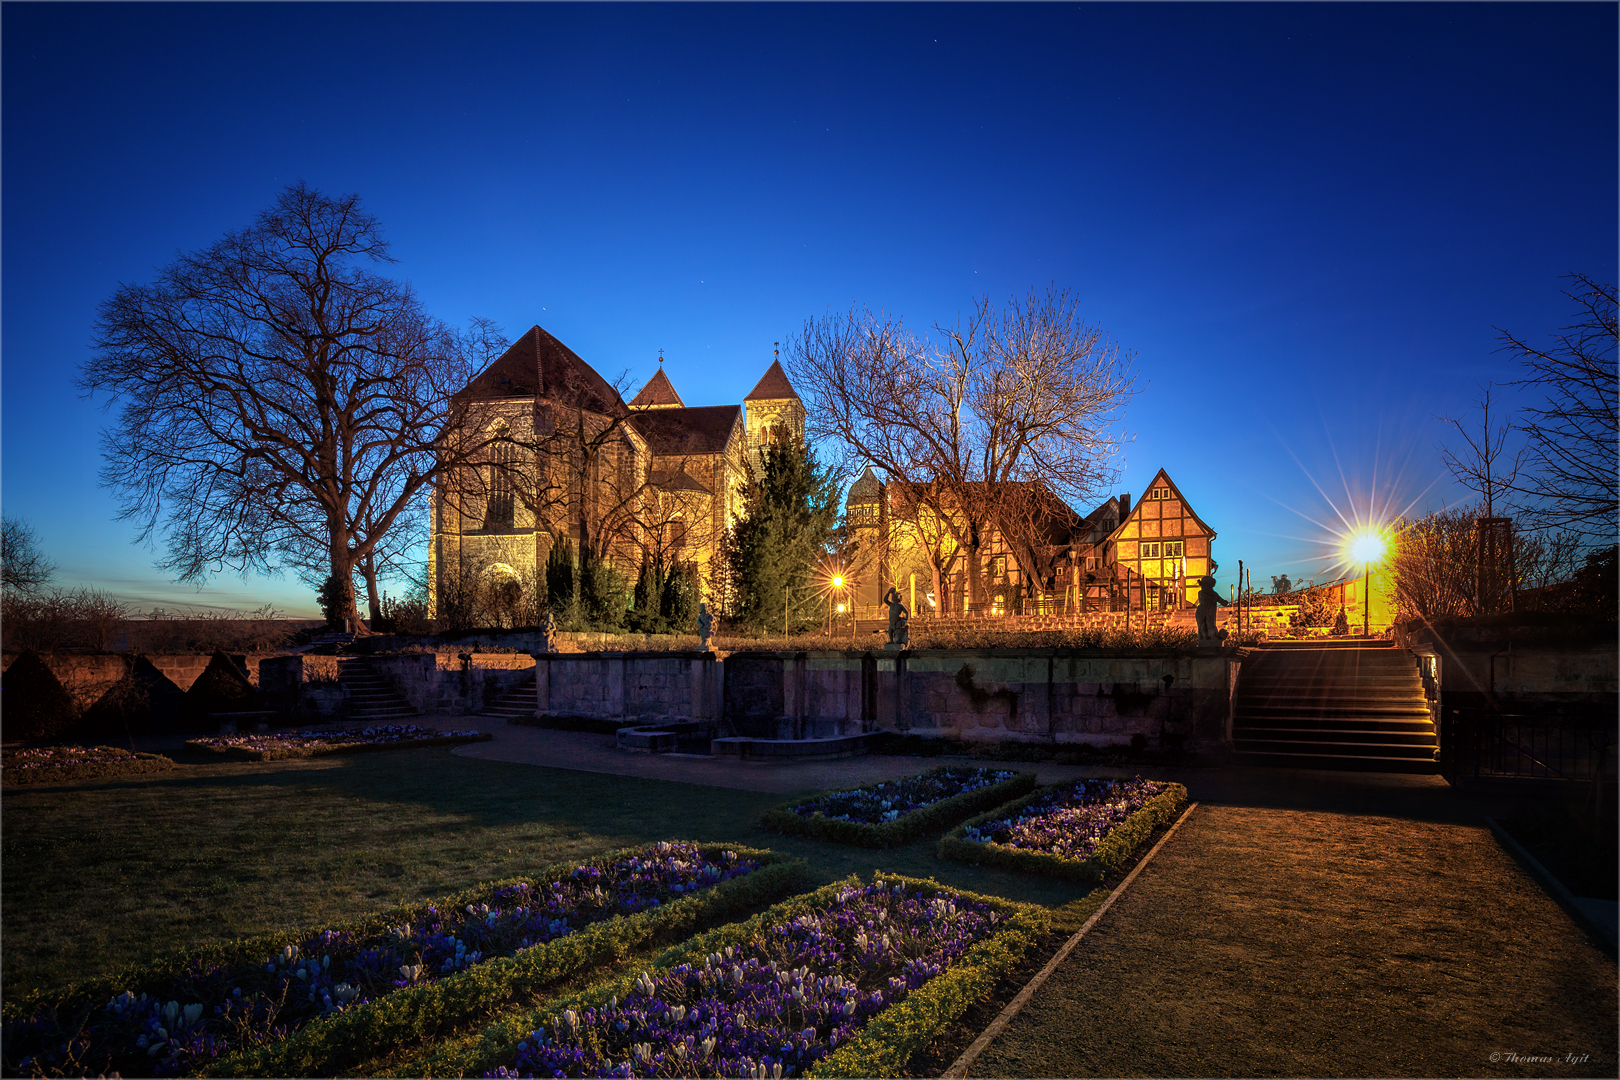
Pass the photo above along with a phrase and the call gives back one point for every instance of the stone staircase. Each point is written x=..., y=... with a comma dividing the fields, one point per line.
x=372, y=699
x=1333, y=704
x=517, y=703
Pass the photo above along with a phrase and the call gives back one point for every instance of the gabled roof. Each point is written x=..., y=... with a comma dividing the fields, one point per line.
x=774, y=386
x=538, y=365
x=702, y=430
x=657, y=394
x=679, y=480
x=1161, y=479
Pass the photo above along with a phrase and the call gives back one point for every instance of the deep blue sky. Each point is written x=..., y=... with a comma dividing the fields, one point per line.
x=1304, y=221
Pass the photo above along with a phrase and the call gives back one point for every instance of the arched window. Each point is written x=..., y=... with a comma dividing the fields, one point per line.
x=500, y=512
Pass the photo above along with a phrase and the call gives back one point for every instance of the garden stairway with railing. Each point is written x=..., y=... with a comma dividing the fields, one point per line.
x=517, y=703
x=371, y=698
x=1333, y=705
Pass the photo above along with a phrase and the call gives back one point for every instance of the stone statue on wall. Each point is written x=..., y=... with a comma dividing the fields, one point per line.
x=899, y=619
x=548, y=634
x=1208, y=600
x=705, y=626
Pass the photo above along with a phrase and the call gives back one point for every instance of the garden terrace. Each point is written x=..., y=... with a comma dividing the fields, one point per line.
x=181, y=1014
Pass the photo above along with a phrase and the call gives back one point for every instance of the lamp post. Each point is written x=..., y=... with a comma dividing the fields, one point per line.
x=1368, y=548
x=837, y=587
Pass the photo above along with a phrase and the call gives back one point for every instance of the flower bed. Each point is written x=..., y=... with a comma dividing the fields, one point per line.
x=898, y=811
x=55, y=764
x=181, y=1014
x=302, y=744
x=1080, y=830
x=851, y=980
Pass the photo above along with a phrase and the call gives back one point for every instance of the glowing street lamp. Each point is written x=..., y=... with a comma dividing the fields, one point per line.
x=1367, y=547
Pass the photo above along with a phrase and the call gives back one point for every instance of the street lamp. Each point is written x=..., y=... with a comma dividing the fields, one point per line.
x=1367, y=548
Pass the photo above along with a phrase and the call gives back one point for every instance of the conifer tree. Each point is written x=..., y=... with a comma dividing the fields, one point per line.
x=786, y=534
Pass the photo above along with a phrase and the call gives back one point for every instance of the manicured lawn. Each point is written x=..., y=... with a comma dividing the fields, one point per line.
x=100, y=875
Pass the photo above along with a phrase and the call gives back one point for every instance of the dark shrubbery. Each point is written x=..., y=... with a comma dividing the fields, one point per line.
x=36, y=705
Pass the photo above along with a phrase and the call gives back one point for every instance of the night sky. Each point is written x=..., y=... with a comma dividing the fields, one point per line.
x=1305, y=222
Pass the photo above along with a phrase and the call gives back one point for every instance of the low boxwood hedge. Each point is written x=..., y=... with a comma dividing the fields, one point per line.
x=338, y=1043
x=362, y=1032
x=1111, y=854
x=882, y=1048
x=135, y=765
x=278, y=753
x=903, y=830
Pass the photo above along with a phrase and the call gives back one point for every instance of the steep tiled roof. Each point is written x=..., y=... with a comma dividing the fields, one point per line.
x=538, y=365
x=703, y=430
x=679, y=480
x=773, y=386
x=658, y=393
x=868, y=489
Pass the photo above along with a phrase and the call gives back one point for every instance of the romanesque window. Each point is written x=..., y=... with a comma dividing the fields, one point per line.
x=500, y=511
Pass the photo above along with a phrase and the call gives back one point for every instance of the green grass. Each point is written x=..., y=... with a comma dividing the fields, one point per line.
x=102, y=875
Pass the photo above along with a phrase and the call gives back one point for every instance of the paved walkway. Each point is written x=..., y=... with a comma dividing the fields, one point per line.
x=1285, y=942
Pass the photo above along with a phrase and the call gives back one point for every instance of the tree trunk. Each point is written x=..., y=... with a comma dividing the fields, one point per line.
x=368, y=569
x=343, y=573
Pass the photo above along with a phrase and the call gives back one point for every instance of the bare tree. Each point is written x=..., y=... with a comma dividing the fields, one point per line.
x=23, y=568
x=1573, y=466
x=1483, y=464
x=275, y=395
x=1026, y=393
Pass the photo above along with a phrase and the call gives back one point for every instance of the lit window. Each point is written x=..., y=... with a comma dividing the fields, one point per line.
x=1150, y=551
x=1173, y=550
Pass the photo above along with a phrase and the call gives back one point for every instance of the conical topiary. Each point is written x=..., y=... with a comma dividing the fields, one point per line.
x=144, y=701
x=35, y=704
x=222, y=687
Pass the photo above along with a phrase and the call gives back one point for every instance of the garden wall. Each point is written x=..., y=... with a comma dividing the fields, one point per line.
x=1028, y=694
x=1523, y=670
x=88, y=676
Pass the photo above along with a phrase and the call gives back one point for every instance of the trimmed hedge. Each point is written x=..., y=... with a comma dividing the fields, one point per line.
x=882, y=1048
x=903, y=830
x=668, y=921
x=90, y=770
x=244, y=753
x=338, y=1043
x=1114, y=851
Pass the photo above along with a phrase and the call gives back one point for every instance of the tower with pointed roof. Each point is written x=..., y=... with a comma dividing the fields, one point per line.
x=774, y=414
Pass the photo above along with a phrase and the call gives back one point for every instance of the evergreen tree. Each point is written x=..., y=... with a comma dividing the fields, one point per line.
x=786, y=533
x=678, y=601
x=560, y=581
x=646, y=611
x=603, y=593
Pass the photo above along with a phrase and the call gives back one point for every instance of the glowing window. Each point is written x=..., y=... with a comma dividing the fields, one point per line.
x=1150, y=551
x=1174, y=550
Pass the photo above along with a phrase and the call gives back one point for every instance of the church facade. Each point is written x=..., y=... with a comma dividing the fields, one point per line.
x=572, y=462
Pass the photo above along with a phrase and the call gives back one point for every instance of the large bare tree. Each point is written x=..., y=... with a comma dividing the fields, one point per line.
x=1573, y=472
x=965, y=418
x=274, y=394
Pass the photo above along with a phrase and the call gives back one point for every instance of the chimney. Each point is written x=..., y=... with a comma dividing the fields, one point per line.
x=1124, y=507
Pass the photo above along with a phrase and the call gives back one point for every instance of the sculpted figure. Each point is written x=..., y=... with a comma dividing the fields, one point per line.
x=899, y=619
x=1208, y=600
x=705, y=626
x=548, y=634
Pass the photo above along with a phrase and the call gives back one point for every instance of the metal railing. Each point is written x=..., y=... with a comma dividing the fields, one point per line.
x=1480, y=744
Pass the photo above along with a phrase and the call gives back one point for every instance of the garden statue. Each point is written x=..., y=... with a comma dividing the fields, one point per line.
x=705, y=627
x=548, y=634
x=899, y=620
x=1208, y=598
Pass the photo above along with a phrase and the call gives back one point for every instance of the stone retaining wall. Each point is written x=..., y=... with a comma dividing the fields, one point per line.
x=1029, y=694
x=88, y=676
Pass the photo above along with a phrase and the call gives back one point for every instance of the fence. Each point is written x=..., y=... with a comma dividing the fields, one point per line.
x=1479, y=744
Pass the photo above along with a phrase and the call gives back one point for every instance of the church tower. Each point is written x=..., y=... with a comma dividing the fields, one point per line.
x=774, y=414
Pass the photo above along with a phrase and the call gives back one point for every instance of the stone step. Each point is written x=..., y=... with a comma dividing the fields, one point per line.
x=1329, y=723
x=1385, y=750
x=1323, y=736
x=1307, y=760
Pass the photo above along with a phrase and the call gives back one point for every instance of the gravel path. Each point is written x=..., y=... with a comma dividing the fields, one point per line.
x=1283, y=942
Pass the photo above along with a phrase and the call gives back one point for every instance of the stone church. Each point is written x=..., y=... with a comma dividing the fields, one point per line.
x=570, y=460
